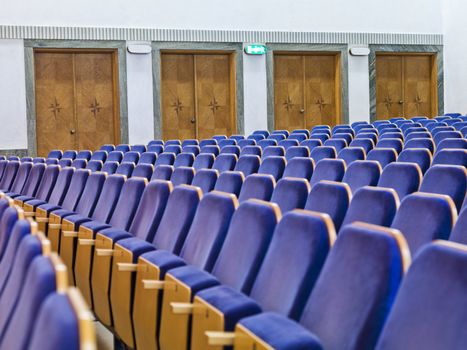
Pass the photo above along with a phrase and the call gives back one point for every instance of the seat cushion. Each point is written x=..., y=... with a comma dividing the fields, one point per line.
x=194, y=278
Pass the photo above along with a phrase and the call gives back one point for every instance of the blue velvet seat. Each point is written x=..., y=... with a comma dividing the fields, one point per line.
x=184, y=159
x=451, y=157
x=347, y=136
x=452, y=143
x=443, y=135
x=107, y=148
x=139, y=148
x=155, y=143
x=95, y=165
x=383, y=156
x=290, y=194
x=459, y=232
x=404, y=178
x=273, y=151
x=323, y=152
x=37, y=160
x=352, y=154
x=226, y=142
x=248, y=164
x=194, y=149
x=420, y=156
x=225, y=162
x=417, y=135
x=165, y=159
x=143, y=170
x=84, y=154
x=362, y=173
x=45, y=187
x=9, y=218
x=444, y=128
x=9, y=174
x=247, y=142
x=296, y=151
x=79, y=164
x=110, y=167
x=338, y=144
x=175, y=149
x=162, y=172
x=251, y=150
x=237, y=137
x=32, y=182
x=115, y=156
x=311, y=143
x=69, y=154
x=204, y=161
x=148, y=158
x=125, y=169
x=51, y=161
x=20, y=179
x=273, y=165
x=301, y=131
x=256, y=137
x=420, y=143
x=257, y=186
x=207, y=142
x=219, y=137
x=230, y=182
x=158, y=149
x=266, y=143
x=365, y=143
x=205, y=179
x=328, y=169
x=322, y=136
x=265, y=133
x=123, y=148
x=65, y=162
x=391, y=135
x=214, y=150
x=234, y=149
x=131, y=157
x=56, y=154
x=299, y=136
x=393, y=143
x=173, y=143
x=286, y=133
x=301, y=167
x=182, y=176
x=367, y=136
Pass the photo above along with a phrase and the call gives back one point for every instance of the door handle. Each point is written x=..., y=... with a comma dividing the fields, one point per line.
x=302, y=110
x=193, y=120
x=401, y=102
x=72, y=131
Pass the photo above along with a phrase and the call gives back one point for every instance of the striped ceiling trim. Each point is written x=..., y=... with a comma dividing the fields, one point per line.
x=140, y=34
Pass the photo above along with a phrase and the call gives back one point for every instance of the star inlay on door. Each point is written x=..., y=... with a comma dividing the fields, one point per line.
x=288, y=103
x=177, y=106
x=388, y=102
x=321, y=104
x=214, y=105
x=55, y=107
x=95, y=107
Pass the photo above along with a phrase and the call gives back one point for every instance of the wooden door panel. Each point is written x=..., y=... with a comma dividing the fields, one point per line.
x=54, y=102
x=417, y=86
x=213, y=94
x=288, y=92
x=95, y=100
x=321, y=90
x=389, y=92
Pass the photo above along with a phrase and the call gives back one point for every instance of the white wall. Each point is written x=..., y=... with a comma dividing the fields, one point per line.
x=13, y=123
x=359, y=89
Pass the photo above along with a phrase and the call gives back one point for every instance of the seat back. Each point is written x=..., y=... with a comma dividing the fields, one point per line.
x=77, y=184
x=165, y=159
x=361, y=253
x=290, y=194
x=110, y=167
x=175, y=149
x=182, y=176
x=226, y=142
x=122, y=148
x=459, y=232
x=424, y=316
x=157, y=149
x=205, y=179
x=108, y=148
x=451, y=157
x=85, y=154
x=256, y=186
x=248, y=164
x=208, y=230
x=55, y=154
x=391, y=135
x=352, y=154
x=322, y=152
x=245, y=246
x=177, y=218
x=155, y=143
x=190, y=142
x=230, y=182
x=247, y=142
x=95, y=165
x=33, y=181
x=173, y=142
x=207, y=142
x=69, y=154
x=450, y=180
x=99, y=155
x=143, y=170
x=383, y=156
x=301, y=167
x=366, y=144
x=298, y=136
x=328, y=169
x=273, y=151
x=138, y=148
x=251, y=150
x=298, y=249
x=256, y=137
x=404, y=178
x=204, y=161
x=61, y=186
x=9, y=175
x=91, y=193
x=9, y=218
x=420, y=143
x=337, y=143
x=212, y=149
x=331, y=198
x=50, y=161
x=47, y=182
x=266, y=143
x=225, y=162
x=115, y=156
x=362, y=173
x=125, y=169
x=231, y=150
x=21, y=177
x=311, y=143
x=148, y=158
x=288, y=143
x=296, y=151
x=421, y=157
x=372, y=205
x=452, y=143
x=65, y=162
x=423, y=218
x=162, y=172
x=274, y=166
x=108, y=199
x=440, y=136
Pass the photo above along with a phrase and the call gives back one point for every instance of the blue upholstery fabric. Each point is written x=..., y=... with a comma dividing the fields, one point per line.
x=420, y=143
x=244, y=143
x=404, y=178
x=8, y=220
x=251, y=150
x=451, y=157
x=323, y=152
x=21, y=177
x=256, y=137
x=214, y=150
x=194, y=278
x=265, y=133
x=266, y=143
x=298, y=136
x=311, y=143
x=332, y=198
x=136, y=246
x=69, y=154
x=384, y=156
x=110, y=167
x=173, y=142
x=301, y=167
x=75, y=189
x=139, y=148
x=207, y=142
x=190, y=142
x=422, y=157
x=205, y=179
x=337, y=143
x=143, y=170
x=290, y=194
x=230, y=182
x=225, y=162
x=115, y=156
x=61, y=186
x=257, y=186
x=125, y=169
x=296, y=151
x=362, y=173
x=459, y=232
x=90, y=195
x=79, y=163
x=226, y=142
x=288, y=143
x=158, y=149
x=122, y=148
x=184, y=159
x=352, y=154
x=182, y=176
x=273, y=165
x=430, y=308
x=165, y=159
x=95, y=165
x=452, y=143
x=175, y=149
x=9, y=175
x=328, y=169
x=204, y=161
x=194, y=150
x=367, y=135
x=248, y=164
x=366, y=144
x=108, y=198
x=348, y=137
x=57, y=154
x=273, y=151
x=99, y=155
x=162, y=172
x=148, y=158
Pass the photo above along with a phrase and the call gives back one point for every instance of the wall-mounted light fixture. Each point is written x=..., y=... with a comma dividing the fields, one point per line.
x=359, y=51
x=139, y=49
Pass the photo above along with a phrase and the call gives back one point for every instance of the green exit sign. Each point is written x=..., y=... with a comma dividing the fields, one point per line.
x=255, y=49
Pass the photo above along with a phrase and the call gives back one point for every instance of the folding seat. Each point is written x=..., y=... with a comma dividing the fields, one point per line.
x=38, y=160
x=372, y=205
x=190, y=142
x=236, y=266
x=298, y=136
x=366, y=136
x=400, y=123
x=459, y=125
x=215, y=150
x=300, y=167
x=191, y=149
x=393, y=120
x=256, y=137
x=158, y=149
x=175, y=149
x=251, y=150
x=303, y=253
x=311, y=143
x=219, y=138
x=123, y=148
x=227, y=142
x=440, y=136
x=244, y=143
x=70, y=154
x=230, y=182
x=320, y=136
x=439, y=129
x=419, y=118
x=347, y=137
x=331, y=198
x=451, y=157
x=184, y=159
x=205, y=179
x=256, y=186
x=389, y=129
x=297, y=151
x=125, y=169
x=416, y=129
x=169, y=235
x=45, y=188
x=341, y=127
x=434, y=125
x=182, y=176
x=55, y=154
x=420, y=156
x=354, y=124
x=321, y=131
x=363, y=128
x=172, y=142
x=107, y=148
x=65, y=162
x=378, y=255
x=138, y=148
x=290, y=194
x=19, y=180
x=148, y=158
x=115, y=156
x=362, y=173
x=404, y=178
x=269, y=151
x=328, y=169
x=143, y=170
x=283, y=132
x=156, y=143
x=207, y=142
x=452, y=143
x=395, y=144
x=452, y=115
x=366, y=144
x=420, y=143
x=450, y=180
x=131, y=157
x=391, y=135
x=46, y=275
x=338, y=144
x=273, y=165
x=265, y=133
x=110, y=167
x=99, y=155
x=382, y=155
x=79, y=164
x=452, y=121
x=301, y=131
x=31, y=184
x=321, y=127
x=85, y=154
x=322, y=152
x=165, y=159
x=26, y=159
x=408, y=126
x=266, y=143
x=237, y=137
x=442, y=118
x=10, y=216
x=423, y=315
x=204, y=161
x=248, y=164
x=162, y=172
x=198, y=246
x=352, y=154
x=231, y=150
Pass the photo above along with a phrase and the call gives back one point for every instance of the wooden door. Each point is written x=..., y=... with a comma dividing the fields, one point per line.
x=406, y=86
x=306, y=90
x=197, y=95
x=76, y=99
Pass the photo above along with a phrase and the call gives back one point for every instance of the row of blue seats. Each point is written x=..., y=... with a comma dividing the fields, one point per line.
x=108, y=257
